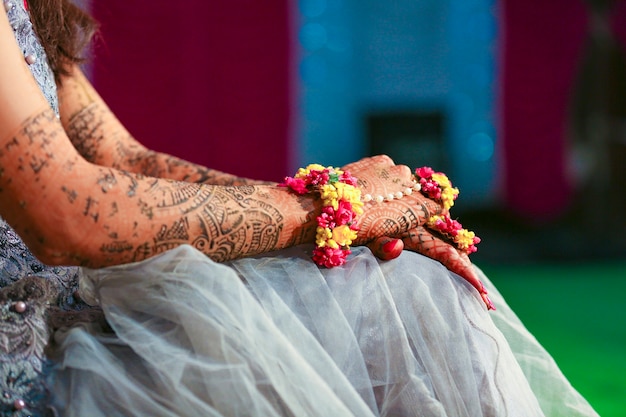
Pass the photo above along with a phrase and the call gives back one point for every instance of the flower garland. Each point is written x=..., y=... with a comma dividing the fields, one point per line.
x=437, y=186
x=341, y=201
x=341, y=204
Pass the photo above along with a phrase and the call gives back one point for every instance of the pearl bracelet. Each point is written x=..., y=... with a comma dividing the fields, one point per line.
x=392, y=196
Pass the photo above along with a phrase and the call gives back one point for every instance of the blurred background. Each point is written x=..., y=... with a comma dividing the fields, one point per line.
x=521, y=102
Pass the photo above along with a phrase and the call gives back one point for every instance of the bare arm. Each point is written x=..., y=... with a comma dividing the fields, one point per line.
x=70, y=211
x=102, y=139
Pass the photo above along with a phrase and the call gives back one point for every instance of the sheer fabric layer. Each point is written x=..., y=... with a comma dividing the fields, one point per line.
x=277, y=336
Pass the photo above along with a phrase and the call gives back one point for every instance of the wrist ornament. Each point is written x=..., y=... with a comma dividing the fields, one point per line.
x=341, y=204
x=437, y=186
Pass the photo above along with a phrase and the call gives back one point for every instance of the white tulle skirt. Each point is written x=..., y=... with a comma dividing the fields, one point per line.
x=277, y=336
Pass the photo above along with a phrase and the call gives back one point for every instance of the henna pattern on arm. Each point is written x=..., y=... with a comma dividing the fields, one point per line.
x=70, y=211
x=229, y=222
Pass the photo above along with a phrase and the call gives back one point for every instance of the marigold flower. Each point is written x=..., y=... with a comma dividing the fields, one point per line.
x=343, y=235
x=329, y=196
x=441, y=179
x=322, y=236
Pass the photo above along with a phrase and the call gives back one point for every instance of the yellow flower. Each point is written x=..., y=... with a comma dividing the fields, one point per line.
x=351, y=194
x=315, y=167
x=433, y=219
x=302, y=173
x=322, y=236
x=448, y=195
x=329, y=195
x=441, y=179
x=464, y=239
x=343, y=235
x=347, y=192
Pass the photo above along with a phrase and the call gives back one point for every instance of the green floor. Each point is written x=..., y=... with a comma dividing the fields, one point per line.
x=578, y=313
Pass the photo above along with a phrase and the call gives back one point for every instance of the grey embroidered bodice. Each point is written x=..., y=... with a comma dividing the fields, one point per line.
x=28, y=288
x=34, y=53
x=16, y=261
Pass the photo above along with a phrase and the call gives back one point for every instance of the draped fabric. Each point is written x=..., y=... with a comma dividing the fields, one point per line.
x=208, y=81
x=277, y=336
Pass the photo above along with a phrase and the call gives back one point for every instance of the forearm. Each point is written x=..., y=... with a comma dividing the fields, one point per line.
x=102, y=139
x=70, y=211
x=139, y=217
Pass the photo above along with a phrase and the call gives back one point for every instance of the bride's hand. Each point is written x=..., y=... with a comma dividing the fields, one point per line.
x=379, y=178
x=398, y=223
x=424, y=242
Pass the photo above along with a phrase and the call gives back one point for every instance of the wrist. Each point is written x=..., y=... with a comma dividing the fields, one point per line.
x=336, y=223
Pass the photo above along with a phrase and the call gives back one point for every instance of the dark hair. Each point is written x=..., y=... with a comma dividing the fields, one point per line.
x=64, y=30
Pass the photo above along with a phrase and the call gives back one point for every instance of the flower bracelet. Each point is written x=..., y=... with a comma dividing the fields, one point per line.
x=437, y=186
x=342, y=203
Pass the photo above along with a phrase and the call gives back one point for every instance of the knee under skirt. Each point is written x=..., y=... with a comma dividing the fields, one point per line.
x=275, y=335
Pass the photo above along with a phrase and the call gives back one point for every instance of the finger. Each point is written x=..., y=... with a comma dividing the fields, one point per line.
x=402, y=171
x=382, y=159
x=369, y=162
x=422, y=241
x=386, y=248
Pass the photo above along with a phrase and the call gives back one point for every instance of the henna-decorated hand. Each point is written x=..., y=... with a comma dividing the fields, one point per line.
x=423, y=241
x=379, y=176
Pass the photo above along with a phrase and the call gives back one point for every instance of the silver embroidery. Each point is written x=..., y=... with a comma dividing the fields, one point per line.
x=23, y=331
x=26, y=38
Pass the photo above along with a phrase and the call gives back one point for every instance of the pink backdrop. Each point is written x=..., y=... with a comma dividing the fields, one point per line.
x=203, y=80
x=542, y=48
x=542, y=45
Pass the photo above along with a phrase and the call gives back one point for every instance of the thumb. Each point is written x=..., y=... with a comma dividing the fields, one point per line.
x=386, y=248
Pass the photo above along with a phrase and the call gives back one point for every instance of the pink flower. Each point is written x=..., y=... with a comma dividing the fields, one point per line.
x=449, y=226
x=298, y=185
x=348, y=179
x=430, y=188
x=327, y=218
x=318, y=177
x=329, y=257
x=424, y=172
x=344, y=213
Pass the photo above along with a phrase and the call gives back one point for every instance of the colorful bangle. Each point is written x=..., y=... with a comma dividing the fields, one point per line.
x=341, y=204
x=437, y=186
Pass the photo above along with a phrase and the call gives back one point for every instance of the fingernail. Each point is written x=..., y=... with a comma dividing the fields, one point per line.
x=487, y=300
x=393, y=248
